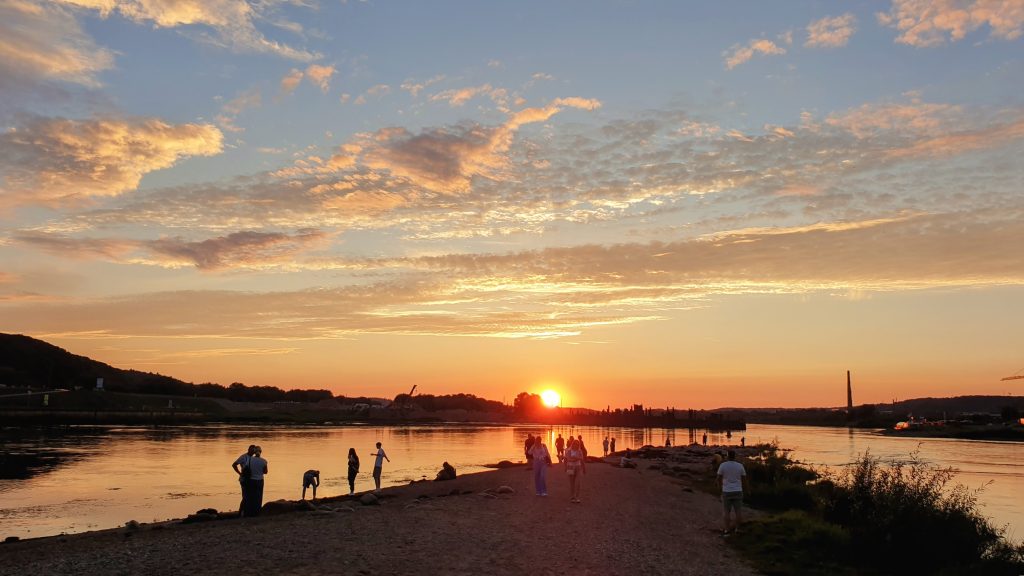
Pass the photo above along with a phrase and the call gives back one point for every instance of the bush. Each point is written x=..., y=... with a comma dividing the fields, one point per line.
x=795, y=542
x=905, y=516
x=778, y=483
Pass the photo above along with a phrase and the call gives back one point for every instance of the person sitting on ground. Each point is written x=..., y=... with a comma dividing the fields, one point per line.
x=447, y=472
x=310, y=478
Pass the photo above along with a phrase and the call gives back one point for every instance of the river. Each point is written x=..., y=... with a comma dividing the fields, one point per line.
x=90, y=478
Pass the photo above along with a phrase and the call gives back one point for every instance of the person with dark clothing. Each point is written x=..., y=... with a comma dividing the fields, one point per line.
x=353, y=470
x=241, y=467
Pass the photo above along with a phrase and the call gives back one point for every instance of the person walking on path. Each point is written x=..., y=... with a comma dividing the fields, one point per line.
x=732, y=477
x=241, y=467
x=353, y=470
x=310, y=478
x=560, y=447
x=612, y=449
x=541, y=461
x=378, y=465
x=605, y=445
x=258, y=468
x=575, y=465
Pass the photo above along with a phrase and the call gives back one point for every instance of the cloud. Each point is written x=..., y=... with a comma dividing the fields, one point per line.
x=914, y=117
x=233, y=21
x=246, y=249
x=561, y=291
x=45, y=42
x=459, y=96
x=739, y=54
x=230, y=110
x=51, y=159
x=926, y=23
x=291, y=81
x=831, y=31
x=237, y=250
x=414, y=88
x=321, y=76
x=447, y=159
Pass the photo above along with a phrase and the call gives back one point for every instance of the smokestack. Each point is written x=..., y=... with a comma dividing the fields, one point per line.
x=849, y=394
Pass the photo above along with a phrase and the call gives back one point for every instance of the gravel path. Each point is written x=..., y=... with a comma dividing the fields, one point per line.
x=631, y=521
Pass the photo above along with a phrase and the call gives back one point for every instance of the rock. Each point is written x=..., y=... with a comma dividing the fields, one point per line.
x=505, y=464
x=280, y=507
x=207, y=511
x=345, y=509
x=306, y=505
x=488, y=495
x=505, y=490
x=132, y=525
x=11, y=539
x=369, y=499
x=199, y=517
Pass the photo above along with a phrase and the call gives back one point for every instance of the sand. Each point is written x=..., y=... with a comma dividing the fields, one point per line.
x=631, y=521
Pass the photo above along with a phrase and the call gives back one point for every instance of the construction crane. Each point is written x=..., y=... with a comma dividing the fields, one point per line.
x=1016, y=376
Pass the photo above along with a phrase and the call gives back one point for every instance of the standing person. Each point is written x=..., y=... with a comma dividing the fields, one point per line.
x=705, y=439
x=732, y=476
x=353, y=470
x=575, y=464
x=310, y=478
x=583, y=446
x=241, y=467
x=541, y=461
x=743, y=441
x=613, y=445
x=605, y=445
x=378, y=465
x=258, y=468
x=528, y=449
x=560, y=447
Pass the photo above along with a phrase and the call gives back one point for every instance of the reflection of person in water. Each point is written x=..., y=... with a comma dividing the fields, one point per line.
x=447, y=472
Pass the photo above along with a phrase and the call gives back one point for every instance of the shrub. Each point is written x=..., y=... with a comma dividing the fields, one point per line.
x=905, y=516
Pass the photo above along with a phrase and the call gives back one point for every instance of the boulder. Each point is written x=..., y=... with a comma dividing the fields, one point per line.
x=369, y=499
x=199, y=517
x=505, y=490
x=280, y=507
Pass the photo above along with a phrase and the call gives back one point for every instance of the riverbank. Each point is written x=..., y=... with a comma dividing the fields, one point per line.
x=645, y=520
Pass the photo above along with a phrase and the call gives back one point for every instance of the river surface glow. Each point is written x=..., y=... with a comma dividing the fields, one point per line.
x=92, y=478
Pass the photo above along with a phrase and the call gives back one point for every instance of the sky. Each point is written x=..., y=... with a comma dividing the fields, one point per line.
x=688, y=204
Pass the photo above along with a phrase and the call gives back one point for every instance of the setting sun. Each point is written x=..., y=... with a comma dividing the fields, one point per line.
x=550, y=398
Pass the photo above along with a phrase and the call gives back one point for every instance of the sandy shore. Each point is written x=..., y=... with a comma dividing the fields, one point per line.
x=631, y=521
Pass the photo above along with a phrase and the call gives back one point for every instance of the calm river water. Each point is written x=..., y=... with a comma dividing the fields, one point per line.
x=91, y=478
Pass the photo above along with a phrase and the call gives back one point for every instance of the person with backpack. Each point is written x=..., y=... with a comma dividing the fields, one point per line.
x=241, y=467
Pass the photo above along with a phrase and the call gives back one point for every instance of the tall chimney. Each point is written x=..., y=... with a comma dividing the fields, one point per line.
x=849, y=394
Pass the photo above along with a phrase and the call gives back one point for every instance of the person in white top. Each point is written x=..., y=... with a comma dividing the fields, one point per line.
x=733, y=477
x=241, y=467
x=257, y=468
x=378, y=465
x=575, y=465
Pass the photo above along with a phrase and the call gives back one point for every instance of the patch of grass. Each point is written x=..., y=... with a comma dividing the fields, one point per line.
x=795, y=542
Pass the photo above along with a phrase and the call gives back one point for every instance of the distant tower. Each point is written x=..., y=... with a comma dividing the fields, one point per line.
x=849, y=394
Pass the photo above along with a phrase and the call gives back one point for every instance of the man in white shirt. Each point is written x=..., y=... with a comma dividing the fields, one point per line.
x=378, y=464
x=241, y=467
x=732, y=477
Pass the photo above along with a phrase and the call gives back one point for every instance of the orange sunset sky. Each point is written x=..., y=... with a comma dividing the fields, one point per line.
x=677, y=204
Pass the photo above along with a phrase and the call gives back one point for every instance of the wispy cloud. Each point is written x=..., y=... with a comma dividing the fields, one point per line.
x=740, y=54
x=831, y=31
x=926, y=23
x=40, y=41
x=233, y=21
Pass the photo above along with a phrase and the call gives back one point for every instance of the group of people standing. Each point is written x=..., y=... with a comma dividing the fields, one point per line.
x=572, y=454
x=251, y=468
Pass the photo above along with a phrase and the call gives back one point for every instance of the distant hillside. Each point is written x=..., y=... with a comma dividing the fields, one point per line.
x=26, y=361
x=934, y=407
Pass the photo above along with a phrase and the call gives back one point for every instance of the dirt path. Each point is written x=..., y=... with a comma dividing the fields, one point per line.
x=631, y=521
